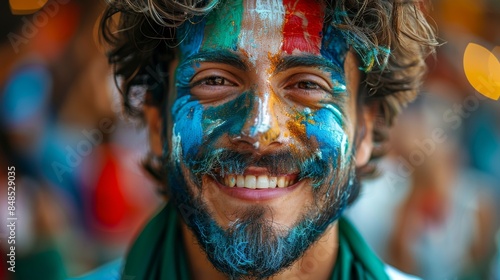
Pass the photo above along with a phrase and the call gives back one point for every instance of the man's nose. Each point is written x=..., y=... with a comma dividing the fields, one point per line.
x=262, y=127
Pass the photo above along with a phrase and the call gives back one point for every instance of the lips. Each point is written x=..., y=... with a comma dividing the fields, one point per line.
x=256, y=184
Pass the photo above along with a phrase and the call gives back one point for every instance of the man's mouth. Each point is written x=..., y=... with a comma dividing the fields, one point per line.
x=258, y=181
x=257, y=184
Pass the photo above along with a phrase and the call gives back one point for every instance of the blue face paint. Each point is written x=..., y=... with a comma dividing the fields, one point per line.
x=326, y=127
x=334, y=48
x=190, y=36
x=187, y=113
x=188, y=124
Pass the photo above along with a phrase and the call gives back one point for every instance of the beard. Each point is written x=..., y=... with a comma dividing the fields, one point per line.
x=253, y=246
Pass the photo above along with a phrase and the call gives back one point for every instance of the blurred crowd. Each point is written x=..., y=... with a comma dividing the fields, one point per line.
x=434, y=211
x=81, y=193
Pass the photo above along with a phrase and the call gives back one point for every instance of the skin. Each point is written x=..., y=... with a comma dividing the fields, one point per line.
x=262, y=108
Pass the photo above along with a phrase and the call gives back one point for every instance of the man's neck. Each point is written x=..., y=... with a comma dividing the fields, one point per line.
x=316, y=263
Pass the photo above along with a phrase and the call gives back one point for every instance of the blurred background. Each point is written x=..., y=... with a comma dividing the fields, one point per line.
x=81, y=194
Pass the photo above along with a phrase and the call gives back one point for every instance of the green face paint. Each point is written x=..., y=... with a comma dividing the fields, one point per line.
x=222, y=27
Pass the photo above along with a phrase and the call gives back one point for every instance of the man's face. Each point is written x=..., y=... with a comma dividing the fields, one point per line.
x=261, y=131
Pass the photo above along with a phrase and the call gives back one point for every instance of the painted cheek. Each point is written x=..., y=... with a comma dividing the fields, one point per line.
x=325, y=125
x=302, y=28
x=228, y=118
x=187, y=131
x=186, y=115
x=197, y=128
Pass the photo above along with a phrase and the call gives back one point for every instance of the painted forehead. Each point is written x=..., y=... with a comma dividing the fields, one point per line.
x=276, y=26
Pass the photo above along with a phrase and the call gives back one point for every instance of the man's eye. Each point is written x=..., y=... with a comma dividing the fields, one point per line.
x=308, y=85
x=216, y=81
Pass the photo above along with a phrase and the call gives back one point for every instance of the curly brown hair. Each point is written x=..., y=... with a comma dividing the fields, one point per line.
x=392, y=38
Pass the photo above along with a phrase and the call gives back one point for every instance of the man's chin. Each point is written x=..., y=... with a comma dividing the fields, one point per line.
x=243, y=249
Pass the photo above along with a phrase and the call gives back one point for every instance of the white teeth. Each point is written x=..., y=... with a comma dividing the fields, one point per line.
x=281, y=182
x=256, y=182
x=262, y=182
x=240, y=181
x=250, y=181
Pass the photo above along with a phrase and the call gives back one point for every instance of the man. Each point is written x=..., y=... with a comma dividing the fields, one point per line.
x=262, y=118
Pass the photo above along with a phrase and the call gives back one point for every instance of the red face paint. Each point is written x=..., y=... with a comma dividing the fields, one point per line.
x=303, y=26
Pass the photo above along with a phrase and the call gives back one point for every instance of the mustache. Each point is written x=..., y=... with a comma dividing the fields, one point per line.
x=221, y=162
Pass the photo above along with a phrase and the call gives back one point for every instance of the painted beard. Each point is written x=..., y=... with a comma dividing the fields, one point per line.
x=253, y=246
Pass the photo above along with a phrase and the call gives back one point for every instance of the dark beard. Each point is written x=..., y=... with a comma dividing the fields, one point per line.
x=252, y=246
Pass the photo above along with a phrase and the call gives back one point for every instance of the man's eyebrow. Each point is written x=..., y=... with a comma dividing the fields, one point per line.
x=287, y=62
x=219, y=56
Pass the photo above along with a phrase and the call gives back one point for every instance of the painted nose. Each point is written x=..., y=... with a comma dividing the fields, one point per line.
x=262, y=128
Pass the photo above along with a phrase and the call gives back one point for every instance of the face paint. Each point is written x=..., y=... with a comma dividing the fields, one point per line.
x=264, y=19
x=221, y=130
x=263, y=119
x=331, y=138
x=188, y=124
x=190, y=37
x=303, y=26
x=225, y=23
x=334, y=48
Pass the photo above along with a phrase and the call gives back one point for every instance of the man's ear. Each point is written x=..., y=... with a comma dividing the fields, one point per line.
x=365, y=130
x=153, y=120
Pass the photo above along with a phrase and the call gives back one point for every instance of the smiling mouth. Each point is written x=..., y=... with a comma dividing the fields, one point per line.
x=257, y=184
x=253, y=181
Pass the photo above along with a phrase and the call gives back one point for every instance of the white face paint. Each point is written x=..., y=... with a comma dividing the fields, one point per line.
x=264, y=17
